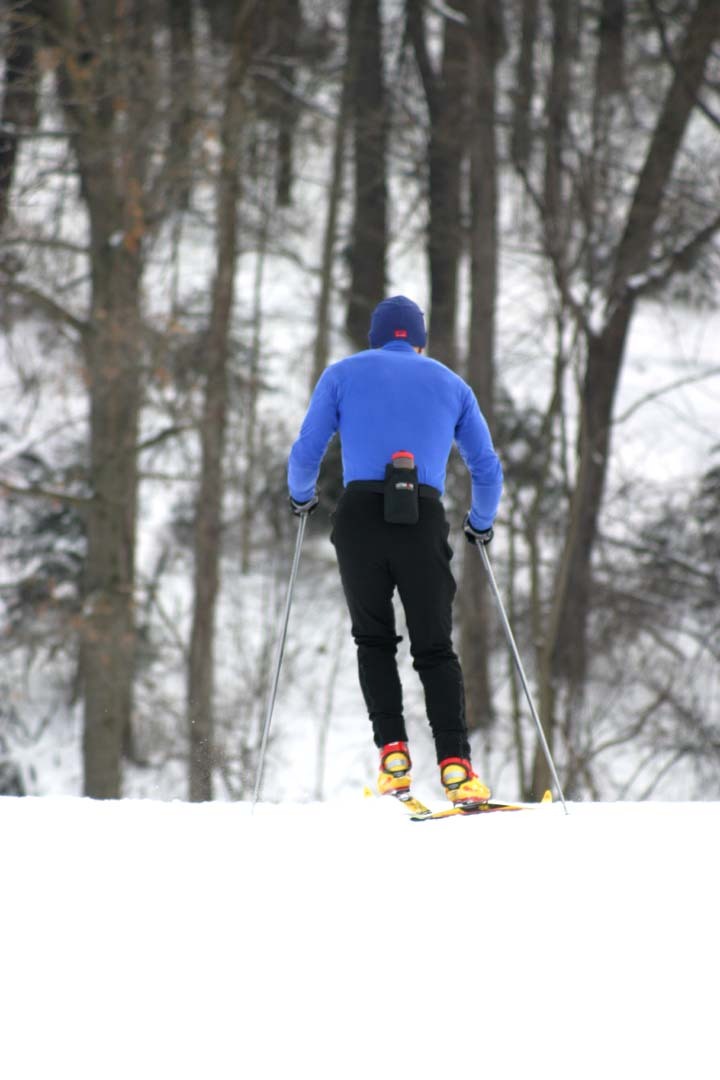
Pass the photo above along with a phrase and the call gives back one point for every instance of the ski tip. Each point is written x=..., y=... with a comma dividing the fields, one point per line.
x=547, y=796
x=368, y=792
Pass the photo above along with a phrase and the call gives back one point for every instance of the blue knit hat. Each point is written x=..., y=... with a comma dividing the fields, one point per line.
x=397, y=319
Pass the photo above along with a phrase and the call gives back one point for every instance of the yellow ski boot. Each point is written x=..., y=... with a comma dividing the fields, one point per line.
x=394, y=777
x=462, y=786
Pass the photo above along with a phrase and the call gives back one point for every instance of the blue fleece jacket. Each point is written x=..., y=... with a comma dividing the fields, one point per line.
x=389, y=399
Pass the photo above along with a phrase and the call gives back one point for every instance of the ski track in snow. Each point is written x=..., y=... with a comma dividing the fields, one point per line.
x=163, y=940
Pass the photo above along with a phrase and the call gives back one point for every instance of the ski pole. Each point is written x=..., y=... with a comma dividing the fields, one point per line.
x=279, y=656
x=521, y=673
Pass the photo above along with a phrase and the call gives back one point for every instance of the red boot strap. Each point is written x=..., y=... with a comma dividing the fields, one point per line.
x=459, y=761
x=395, y=748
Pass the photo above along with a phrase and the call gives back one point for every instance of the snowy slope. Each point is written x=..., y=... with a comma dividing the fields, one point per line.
x=161, y=940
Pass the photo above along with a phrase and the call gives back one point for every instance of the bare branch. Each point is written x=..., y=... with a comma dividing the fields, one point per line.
x=448, y=12
x=714, y=118
x=47, y=306
x=682, y=258
x=163, y=436
x=560, y=276
x=688, y=380
x=671, y=560
x=37, y=492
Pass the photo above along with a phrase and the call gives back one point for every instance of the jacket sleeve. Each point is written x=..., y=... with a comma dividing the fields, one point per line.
x=474, y=442
x=318, y=427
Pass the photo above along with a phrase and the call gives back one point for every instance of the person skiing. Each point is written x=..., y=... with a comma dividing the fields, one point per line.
x=398, y=412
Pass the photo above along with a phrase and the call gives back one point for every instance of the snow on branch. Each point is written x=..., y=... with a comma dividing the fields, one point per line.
x=682, y=258
x=448, y=12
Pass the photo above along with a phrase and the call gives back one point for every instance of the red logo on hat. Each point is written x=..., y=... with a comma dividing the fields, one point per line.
x=401, y=333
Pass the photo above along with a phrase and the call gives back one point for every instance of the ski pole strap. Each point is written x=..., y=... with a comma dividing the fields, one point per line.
x=425, y=491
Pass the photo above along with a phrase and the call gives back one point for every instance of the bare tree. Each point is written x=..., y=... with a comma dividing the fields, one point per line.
x=486, y=49
x=632, y=263
x=109, y=83
x=19, y=102
x=445, y=88
x=334, y=198
x=521, y=140
x=208, y=507
x=368, y=243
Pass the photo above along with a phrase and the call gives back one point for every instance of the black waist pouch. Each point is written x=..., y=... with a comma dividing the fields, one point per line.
x=401, y=495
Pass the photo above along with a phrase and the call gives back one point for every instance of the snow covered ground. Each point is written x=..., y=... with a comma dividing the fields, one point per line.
x=151, y=940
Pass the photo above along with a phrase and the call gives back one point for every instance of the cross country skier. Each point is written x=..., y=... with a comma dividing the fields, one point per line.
x=398, y=413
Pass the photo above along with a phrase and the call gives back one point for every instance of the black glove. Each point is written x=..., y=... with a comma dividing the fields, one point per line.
x=304, y=508
x=476, y=536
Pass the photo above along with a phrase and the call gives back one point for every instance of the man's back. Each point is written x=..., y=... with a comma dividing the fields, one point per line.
x=389, y=399
x=393, y=399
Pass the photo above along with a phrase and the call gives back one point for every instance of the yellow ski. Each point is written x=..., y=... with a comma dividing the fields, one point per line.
x=491, y=807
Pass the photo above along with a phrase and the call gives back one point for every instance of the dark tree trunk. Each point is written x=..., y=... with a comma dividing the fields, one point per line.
x=110, y=168
x=321, y=346
x=486, y=49
x=521, y=140
x=610, y=78
x=369, y=231
x=558, y=104
x=107, y=653
x=446, y=95
x=101, y=58
x=208, y=510
x=289, y=25
x=19, y=104
x=182, y=122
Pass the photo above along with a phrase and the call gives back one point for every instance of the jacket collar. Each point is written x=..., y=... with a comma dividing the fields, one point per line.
x=399, y=346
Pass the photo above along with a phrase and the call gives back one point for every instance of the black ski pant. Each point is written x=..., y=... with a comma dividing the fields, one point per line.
x=374, y=559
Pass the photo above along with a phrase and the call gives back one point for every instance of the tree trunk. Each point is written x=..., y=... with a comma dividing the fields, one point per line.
x=19, y=104
x=250, y=399
x=107, y=641
x=486, y=48
x=289, y=33
x=321, y=347
x=610, y=77
x=182, y=117
x=369, y=234
x=208, y=510
x=446, y=94
x=104, y=58
x=111, y=162
x=521, y=140
x=558, y=104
